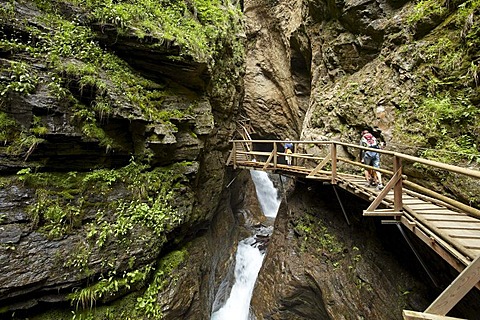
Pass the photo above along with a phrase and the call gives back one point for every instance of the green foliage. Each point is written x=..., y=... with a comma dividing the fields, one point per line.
x=109, y=285
x=57, y=219
x=63, y=198
x=7, y=128
x=7, y=10
x=445, y=116
x=95, y=81
x=195, y=25
x=147, y=304
x=439, y=113
x=79, y=258
x=450, y=122
x=21, y=79
x=426, y=8
x=445, y=53
x=38, y=129
x=315, y=237
x=24, y=144
x=144, y=306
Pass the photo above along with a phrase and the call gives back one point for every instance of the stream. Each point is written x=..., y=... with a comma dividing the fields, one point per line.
x=249, y=256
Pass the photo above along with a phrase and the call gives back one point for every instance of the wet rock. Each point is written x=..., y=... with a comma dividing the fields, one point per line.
x=192, y=123
x=10, y=234
x=325, y=269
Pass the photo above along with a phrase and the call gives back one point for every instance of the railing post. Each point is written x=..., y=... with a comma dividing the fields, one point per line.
x=275, y=156
x=294, y=160
x=333, y=153
x=397, y=189
x=234, y=155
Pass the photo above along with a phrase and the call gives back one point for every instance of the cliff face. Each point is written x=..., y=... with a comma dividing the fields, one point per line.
x=114, y=121
x=323, y=268
x=405, y=70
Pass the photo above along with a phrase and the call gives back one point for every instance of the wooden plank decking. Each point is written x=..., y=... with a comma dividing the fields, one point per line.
x=450, y=228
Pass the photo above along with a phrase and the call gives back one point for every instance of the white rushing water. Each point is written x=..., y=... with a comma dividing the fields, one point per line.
x=248, y=262
x=266, y=193
x=248, y=259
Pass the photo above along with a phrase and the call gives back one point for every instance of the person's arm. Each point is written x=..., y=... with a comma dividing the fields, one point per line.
x=362, y=152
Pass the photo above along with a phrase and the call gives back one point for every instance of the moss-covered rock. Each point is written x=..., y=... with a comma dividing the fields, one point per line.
x=114, y=123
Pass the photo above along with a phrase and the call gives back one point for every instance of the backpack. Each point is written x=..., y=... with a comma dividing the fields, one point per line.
x=371, y=141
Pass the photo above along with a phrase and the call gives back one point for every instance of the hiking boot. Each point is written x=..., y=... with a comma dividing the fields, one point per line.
x=380, y=186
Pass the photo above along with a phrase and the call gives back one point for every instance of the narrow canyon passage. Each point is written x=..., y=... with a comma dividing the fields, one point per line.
x=249, y=256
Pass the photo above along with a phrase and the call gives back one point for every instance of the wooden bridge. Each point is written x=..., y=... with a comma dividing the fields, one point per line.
x=449, y=227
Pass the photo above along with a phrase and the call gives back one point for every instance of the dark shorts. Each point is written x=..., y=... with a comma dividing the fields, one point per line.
x=372, y=159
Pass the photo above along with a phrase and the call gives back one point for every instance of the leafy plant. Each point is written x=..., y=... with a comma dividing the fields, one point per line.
x=314, y=235
x=7, y=128
x=426, y=8
x=22, y=79
x=86, y=298
x=147, y=304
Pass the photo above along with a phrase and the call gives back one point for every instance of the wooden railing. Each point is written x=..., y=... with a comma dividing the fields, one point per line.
x=327, y=152
x=335, y=161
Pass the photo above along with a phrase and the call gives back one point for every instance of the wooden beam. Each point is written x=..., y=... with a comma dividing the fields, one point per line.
x=384, y=192
x=234, y=156
x=275, y=156
x=378, y=213
x=397, y=189
x=465, y=281
x=390, y=221
x=320, y=166
x=268, y=161
x=230, y=157
x=333, y=154
x=413, y=315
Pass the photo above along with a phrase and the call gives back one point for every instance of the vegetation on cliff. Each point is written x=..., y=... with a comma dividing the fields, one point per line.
x=412, y=78
x=69, y=88
x=90, y=78
x=445, y=111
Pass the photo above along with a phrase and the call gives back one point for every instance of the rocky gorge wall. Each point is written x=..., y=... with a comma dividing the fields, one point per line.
x=405, y=70
x=114, y=120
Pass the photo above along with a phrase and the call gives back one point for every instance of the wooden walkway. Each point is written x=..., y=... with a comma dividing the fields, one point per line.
x=450, y=228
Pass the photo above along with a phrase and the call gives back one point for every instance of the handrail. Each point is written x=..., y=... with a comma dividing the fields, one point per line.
x=440, y=165
x=396, y=185
x=446, y=247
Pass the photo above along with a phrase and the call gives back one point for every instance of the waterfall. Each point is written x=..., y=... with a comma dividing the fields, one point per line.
x=248, y=262
x=266, y=193
x=249, y=258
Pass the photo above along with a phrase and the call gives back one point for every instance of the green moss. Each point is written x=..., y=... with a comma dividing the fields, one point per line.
x=194, y=26
x=108, y=286
x=63, y=198
x=147, y=304
x=7, y=128
x=426, y=8
x=315, y=237
x=134, y=306
x=443, y=119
